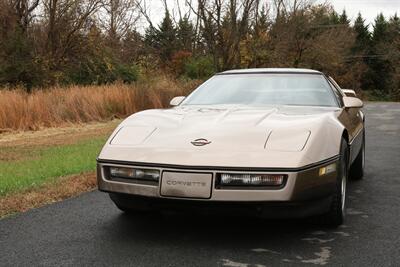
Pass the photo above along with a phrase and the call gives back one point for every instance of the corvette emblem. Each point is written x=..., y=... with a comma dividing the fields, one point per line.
x=200, y=142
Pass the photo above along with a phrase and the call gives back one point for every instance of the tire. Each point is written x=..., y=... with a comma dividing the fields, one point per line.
x=337, y=212
x=125, y=204
x=357, y=168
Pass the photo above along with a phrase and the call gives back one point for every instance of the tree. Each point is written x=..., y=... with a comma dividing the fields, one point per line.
x=24, y=11
x=224, y=25
x=334, y=18
x=117, y=17
x=392, y=48
x=363, y=36
x=378, y=61
x=254, y=48
x=64, y=19
x=163, y=39
x=343, y=19
x=185, y=34
x=361, y=51
x=17, y=60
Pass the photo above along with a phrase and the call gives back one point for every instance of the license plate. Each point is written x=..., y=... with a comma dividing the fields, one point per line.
x=189, y=185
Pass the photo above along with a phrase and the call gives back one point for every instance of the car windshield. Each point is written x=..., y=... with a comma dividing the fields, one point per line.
x=264, y=89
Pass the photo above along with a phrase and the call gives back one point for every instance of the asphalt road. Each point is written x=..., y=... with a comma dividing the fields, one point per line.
x=89, y=230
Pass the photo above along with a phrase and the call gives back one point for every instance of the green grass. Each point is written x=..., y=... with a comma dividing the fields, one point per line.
x=38, y=165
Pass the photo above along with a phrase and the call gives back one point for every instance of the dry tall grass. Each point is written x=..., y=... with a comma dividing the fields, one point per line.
x=58, y=106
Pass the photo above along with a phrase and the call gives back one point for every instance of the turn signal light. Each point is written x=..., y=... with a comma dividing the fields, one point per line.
x=327, y=169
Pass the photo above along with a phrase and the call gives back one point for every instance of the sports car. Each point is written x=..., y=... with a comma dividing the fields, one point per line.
x=267, y=142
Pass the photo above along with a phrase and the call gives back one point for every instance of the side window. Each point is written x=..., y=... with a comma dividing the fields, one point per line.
x=336, y=90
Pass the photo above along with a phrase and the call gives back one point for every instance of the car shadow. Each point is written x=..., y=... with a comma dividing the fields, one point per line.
x=209, y=229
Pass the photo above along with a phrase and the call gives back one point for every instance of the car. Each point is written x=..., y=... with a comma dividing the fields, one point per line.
x=275, y=143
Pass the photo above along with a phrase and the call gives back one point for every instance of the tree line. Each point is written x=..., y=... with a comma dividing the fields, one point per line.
x=56, y=42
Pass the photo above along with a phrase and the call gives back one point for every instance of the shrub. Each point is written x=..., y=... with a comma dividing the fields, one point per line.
x=200, y=67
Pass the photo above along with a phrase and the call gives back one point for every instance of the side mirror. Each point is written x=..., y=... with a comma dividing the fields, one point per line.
x=352, y=102
x=176, y=100
x=349, y=92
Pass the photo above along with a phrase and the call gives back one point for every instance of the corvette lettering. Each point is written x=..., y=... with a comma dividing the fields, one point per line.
x=185, y=183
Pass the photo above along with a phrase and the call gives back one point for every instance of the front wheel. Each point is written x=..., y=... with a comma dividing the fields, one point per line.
x=337, y=212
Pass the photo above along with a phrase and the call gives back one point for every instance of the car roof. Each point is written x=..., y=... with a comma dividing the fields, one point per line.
x=270, y=70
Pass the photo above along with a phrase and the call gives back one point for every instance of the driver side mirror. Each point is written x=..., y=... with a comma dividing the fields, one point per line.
x=177, y=100
x=352, y=102
x=349, y=92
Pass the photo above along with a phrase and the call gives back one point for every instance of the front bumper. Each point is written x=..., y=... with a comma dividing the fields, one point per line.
x=302, y=184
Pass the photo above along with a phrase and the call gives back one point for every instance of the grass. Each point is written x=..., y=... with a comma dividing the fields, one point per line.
x=49, y=165
x=62, y=188
x=59, y=106
x=44, y=164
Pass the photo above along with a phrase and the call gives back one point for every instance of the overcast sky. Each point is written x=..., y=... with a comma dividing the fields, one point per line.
x=368, y=8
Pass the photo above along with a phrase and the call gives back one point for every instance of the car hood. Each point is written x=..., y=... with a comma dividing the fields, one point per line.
x=232, y=136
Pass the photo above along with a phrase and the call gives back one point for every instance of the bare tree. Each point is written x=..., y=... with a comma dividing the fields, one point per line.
x=118, y=17
x=224, y=23
x=64, y=20
x=24, y=10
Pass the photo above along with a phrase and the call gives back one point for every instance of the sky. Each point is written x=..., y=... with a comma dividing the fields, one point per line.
x=368, y=8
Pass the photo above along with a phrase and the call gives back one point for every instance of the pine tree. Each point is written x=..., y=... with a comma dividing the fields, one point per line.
x=361, y=50
x=392, y=48
x=163, y=39
x=380, y=29
x=262, y=24
x=363, y=36
x=394, y=27
x=334, y=18
x=185, y=34
x=343, y=19
x=378, y=62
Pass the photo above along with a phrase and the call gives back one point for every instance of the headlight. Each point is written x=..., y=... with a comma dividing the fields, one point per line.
x=135, y=173
x=237, y=179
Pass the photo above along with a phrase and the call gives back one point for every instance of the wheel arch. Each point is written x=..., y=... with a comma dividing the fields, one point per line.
x=345, y=136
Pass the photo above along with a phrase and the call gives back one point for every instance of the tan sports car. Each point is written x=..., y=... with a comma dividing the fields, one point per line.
x=268, y=142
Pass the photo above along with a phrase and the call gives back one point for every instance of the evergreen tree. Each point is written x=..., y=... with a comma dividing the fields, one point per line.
x=185, y=34
x=343, y=19
x=394, y=27
x=262, y=24
x=392, y=47
x=334, y=18
x=363, y=36
x=380, y=29
x=361, y=50
x=163, y=39
x=378, y=62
